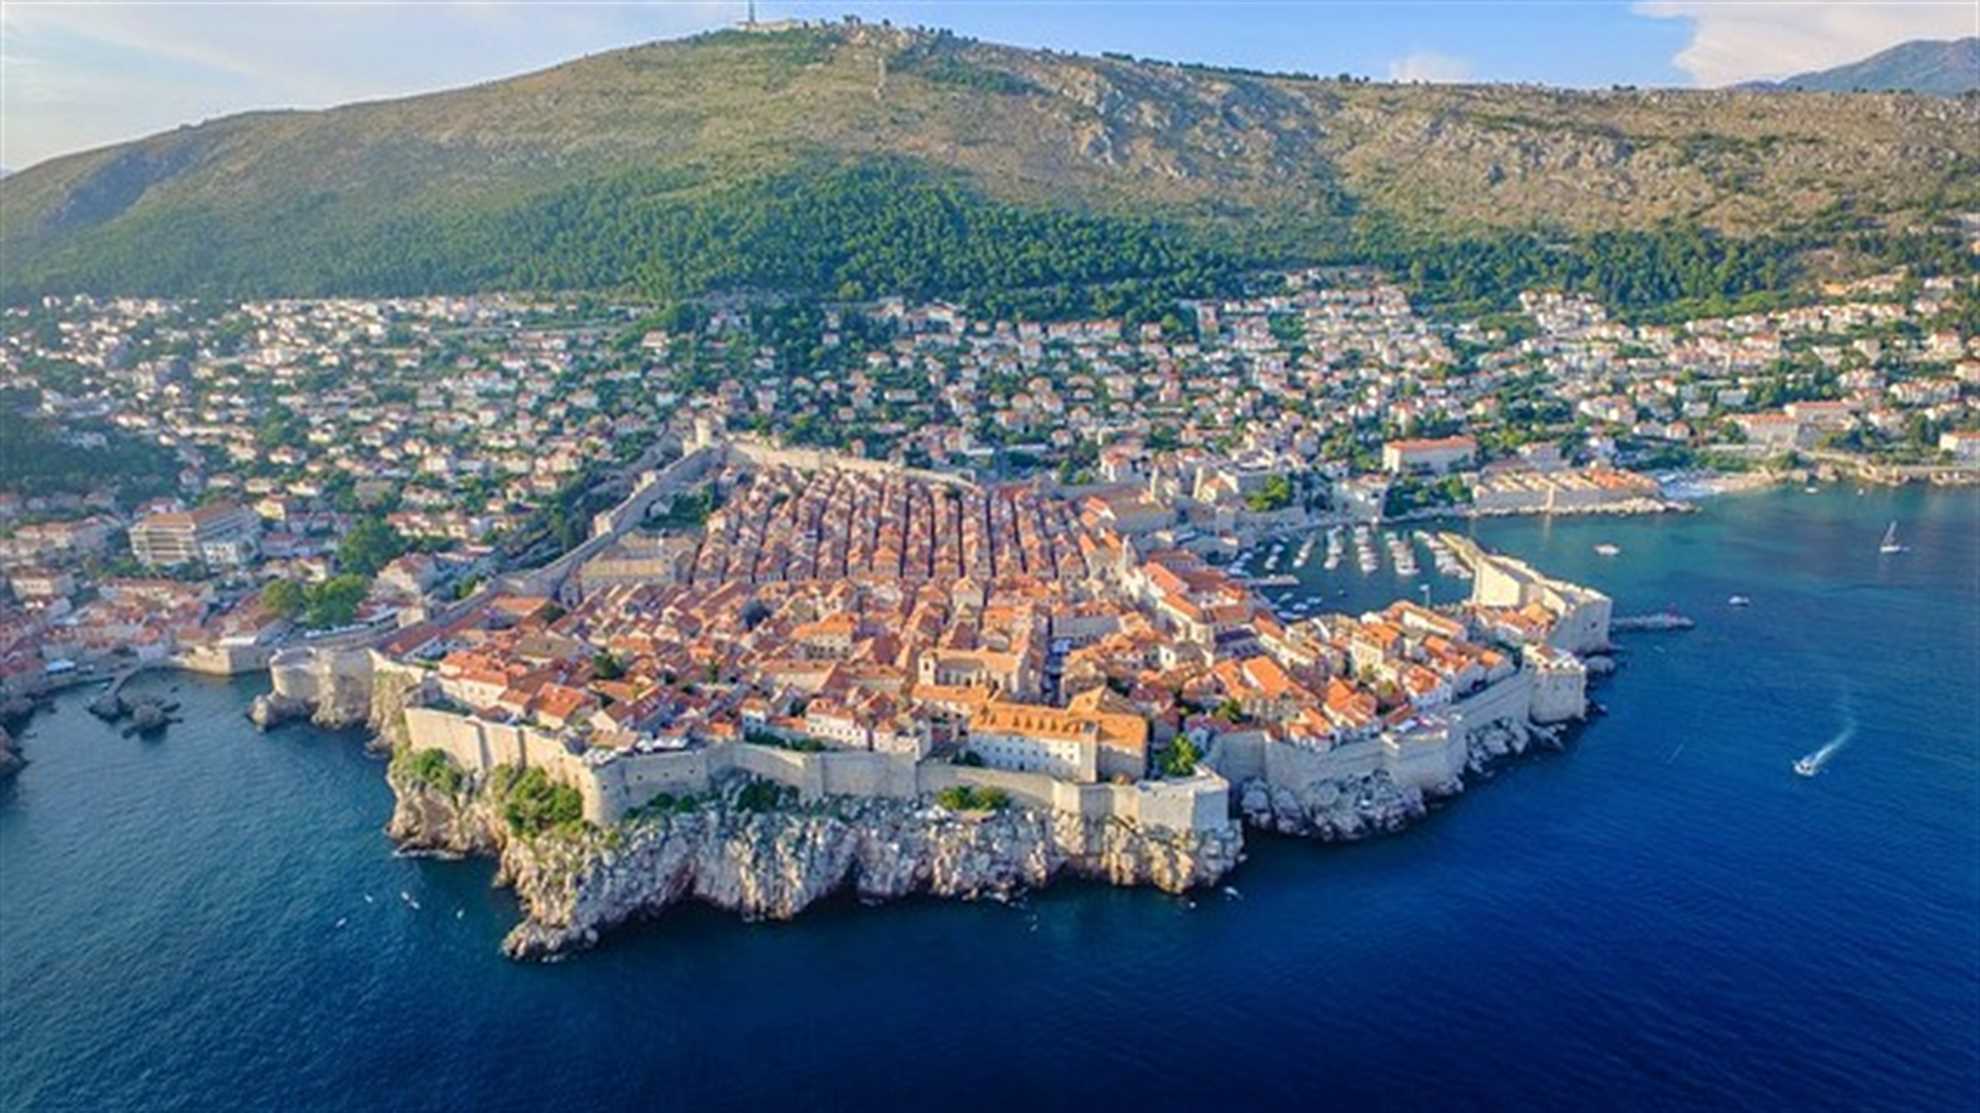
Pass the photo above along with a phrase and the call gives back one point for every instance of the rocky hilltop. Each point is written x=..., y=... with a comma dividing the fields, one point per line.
x=772, y=862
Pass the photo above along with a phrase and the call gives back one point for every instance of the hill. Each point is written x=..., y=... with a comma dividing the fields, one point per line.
x=852, y=159
x=1943, y=67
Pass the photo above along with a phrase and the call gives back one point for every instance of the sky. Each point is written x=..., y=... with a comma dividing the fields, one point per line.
x=78, y=74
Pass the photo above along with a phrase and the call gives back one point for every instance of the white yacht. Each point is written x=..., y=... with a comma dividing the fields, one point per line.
x=1891, y=544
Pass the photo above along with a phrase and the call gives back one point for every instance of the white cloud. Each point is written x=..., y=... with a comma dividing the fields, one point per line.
x=1428, y=65
x=1733, y=41
x=104, y=73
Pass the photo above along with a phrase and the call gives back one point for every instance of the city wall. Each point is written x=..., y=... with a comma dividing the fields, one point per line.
x=811, y=459
x=224, y=658
x=613, y=786
x=336, y=683
x=1429, y=757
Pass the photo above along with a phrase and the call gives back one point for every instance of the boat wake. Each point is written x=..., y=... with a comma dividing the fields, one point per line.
x=1811, y=764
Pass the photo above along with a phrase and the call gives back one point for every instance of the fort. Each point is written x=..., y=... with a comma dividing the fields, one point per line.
x=851, y=659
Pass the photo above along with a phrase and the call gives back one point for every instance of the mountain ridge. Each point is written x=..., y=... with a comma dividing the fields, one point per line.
x=1939, y=67
x=703, y=138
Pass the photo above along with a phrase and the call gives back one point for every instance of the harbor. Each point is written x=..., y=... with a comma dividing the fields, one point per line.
x=1351, y=566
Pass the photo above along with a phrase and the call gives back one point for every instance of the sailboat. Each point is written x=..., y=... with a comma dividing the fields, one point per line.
x=1891, y=544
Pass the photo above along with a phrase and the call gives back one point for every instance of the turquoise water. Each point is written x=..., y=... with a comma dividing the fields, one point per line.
x=1664, y=917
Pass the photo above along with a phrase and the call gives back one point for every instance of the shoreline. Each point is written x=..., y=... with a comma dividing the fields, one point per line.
x=577, y=884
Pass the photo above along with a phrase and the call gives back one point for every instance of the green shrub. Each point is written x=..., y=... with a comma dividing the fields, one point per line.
x=969, y=798
x=430, y=768
x=1181, y=757
x=664, y=804
x=535, y=804
x=763, y=796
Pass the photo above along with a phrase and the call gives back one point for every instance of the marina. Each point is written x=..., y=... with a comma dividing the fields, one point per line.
x=1302, y=575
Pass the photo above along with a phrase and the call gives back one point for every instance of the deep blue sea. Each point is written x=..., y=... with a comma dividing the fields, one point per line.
x=1663, y=917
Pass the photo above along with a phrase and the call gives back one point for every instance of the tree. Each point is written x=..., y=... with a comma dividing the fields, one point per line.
x=334, y=602
x=371, y=545
x=285, y=598
x=1275, y=494
x=1181, y=757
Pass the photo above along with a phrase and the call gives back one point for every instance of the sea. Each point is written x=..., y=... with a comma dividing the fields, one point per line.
x=1662, y=917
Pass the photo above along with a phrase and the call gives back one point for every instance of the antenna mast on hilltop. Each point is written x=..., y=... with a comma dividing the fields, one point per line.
x=750, y=19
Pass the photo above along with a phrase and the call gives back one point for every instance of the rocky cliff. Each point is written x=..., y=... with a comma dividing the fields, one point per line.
x=11, y=760
x=1332, y=811
x=772, y=863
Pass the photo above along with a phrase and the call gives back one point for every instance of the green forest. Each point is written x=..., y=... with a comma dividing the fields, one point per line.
x=37, y=460
x=887, y=227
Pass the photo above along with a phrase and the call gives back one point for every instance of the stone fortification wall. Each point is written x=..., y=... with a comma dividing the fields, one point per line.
x=634, y=779
x=1293, y=765
x=1560, y=694
x=887, y=776
x=811, y=459
x=1508, y=701
x=223, y=659
x=611, y=788
x=1428, y=759
x=394, y=687
x=335, y=684
x=1425, y=759
x=631, y=510
x=1582, y=613
x=1030, y=789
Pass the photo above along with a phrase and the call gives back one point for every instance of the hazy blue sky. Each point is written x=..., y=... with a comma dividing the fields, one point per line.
x=75, y=75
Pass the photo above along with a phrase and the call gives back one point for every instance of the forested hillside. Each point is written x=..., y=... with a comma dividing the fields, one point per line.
x=853, y=160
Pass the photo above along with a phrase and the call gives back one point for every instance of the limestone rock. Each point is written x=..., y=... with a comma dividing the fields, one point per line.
x=1332, y=811
x=773, y=864
x=11, y=760
x=272, y=709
